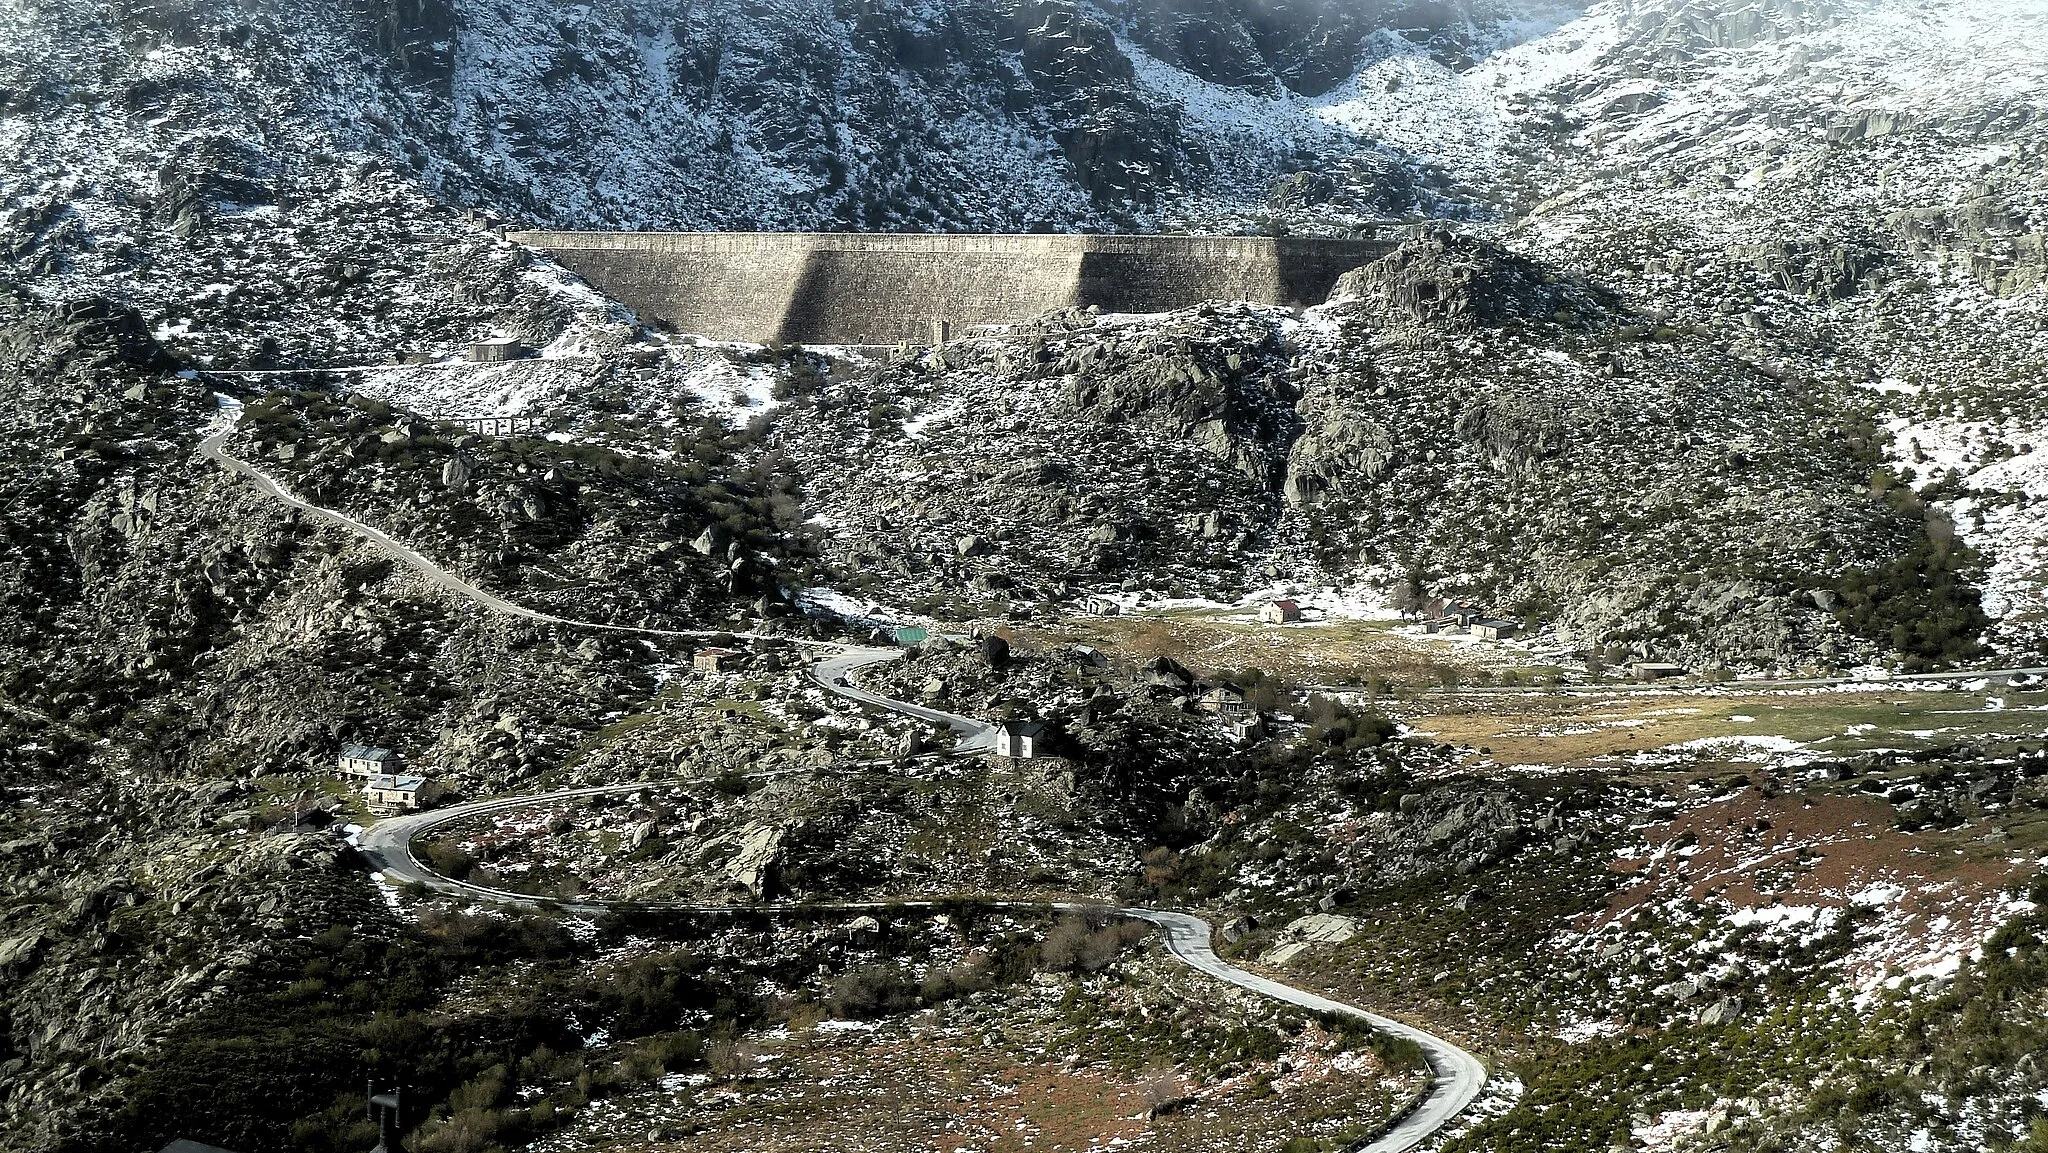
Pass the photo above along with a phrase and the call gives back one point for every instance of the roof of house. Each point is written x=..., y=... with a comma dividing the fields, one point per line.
x=500, y=341
x=183, y=1146
x=1497, y=622
x=1022, y=728
x=402, y=784
x=718, y=652
x=1225, y=691
x=365, y=753
x=1286, y=605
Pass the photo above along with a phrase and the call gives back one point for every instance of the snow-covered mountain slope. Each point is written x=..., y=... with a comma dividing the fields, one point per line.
x=961, y=114
x=1849, y=195
x=1710, y=256
x=234, y=205
x=958, y=115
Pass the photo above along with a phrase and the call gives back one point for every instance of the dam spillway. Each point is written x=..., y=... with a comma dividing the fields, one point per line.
x=885, y=289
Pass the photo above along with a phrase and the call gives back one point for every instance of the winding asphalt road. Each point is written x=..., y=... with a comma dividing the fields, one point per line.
x=834, y=675
x=1457, y=1075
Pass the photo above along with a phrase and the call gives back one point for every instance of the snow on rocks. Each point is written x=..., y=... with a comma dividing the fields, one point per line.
x=1991, y=479
x=1806, y=870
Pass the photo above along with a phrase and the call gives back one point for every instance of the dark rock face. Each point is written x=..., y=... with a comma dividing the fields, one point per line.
x=1458, y=283
x=205, y=176
x=1119, y=149
x=417, y=36
x=1304, y=46
x=100, y=333
x=1205, y=40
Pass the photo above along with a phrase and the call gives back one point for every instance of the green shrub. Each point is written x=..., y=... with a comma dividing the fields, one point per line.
x=875, y=990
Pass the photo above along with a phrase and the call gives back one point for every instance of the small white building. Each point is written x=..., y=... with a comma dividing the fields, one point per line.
x=1102, y=607
x=367, y=761
x=1281, y=612
x=391, y=792
x=1019, y=739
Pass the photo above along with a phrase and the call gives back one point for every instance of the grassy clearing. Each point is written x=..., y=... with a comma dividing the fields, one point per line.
x=280, y=797
x=1212, y=642
x=751, y=709
x=1565, y=730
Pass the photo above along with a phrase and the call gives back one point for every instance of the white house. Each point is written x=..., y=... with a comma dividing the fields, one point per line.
x=1281, y=612
x=393, y=792
x=366, y=761
x=1019, y=739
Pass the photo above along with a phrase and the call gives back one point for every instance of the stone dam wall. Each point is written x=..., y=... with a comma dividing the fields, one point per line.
x=845, y=288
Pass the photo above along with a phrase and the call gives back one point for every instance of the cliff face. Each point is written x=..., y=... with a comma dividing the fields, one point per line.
x=418, y=36
x=1302, y=46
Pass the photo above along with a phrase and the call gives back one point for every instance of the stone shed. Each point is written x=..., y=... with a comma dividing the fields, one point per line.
x=496, y=350
x=715, y=660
